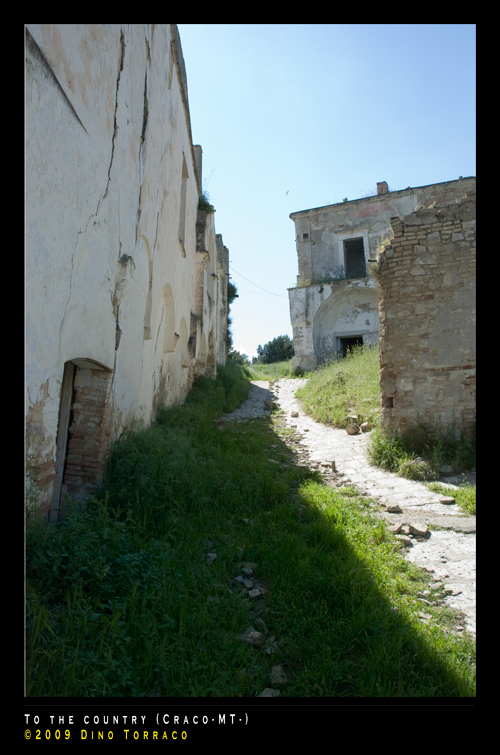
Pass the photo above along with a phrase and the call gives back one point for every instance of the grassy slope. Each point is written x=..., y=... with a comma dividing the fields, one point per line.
x=122, y=601
x=347, y=387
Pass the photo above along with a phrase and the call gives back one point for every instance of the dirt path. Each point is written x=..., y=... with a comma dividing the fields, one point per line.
x=449, y=553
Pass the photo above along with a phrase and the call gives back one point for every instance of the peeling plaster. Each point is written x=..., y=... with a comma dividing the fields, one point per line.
x=95, y=285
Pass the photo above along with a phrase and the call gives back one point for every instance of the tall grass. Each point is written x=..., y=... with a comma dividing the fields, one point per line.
x=122, y=599
x=347, y=387
x=274, y=371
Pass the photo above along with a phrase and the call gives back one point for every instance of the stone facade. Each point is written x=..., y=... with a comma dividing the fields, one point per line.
x=335, y=302
x=126, y=280
x=427, y=289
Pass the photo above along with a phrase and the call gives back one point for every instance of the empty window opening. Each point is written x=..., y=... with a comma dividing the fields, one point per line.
x=346, y=344
x=354, y=252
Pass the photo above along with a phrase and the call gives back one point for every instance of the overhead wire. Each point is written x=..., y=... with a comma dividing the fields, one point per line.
x=254, y=284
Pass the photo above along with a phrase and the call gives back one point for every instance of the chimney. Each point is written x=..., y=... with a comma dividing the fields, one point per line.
x=382, y=187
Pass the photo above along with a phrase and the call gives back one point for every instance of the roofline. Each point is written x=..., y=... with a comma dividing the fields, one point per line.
x=293, y=215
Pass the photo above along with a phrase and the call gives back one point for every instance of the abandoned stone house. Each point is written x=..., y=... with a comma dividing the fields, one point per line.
x=399, y=266
x=126, y=280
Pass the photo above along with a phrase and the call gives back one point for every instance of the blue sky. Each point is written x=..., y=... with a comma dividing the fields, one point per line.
x=294, y=116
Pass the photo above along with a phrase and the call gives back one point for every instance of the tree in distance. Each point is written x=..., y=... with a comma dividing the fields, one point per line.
x=277, y=350
x=235, y=356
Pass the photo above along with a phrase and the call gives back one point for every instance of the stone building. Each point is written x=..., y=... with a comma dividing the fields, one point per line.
x=126, y=280
x=335, y=303
x=427, y=310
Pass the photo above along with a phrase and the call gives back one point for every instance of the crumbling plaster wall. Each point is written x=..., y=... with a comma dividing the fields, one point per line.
x=320, y=234
x=112, y=188
x=323, y=313
x=427, y=311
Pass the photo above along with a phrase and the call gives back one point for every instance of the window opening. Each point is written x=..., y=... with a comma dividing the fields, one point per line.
x=355, y=264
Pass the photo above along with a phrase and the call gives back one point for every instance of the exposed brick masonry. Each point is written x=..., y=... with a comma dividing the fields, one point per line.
x=89, y=432
x=427, y=317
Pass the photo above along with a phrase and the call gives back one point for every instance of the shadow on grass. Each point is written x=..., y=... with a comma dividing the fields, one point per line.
x=343, y=601
x=125, y=601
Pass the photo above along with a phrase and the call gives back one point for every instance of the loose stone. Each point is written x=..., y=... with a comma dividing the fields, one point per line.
x=419, y=529
x=278, y=676
x=352, y=429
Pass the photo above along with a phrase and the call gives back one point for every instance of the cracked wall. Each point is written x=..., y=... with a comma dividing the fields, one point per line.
x=110, y=167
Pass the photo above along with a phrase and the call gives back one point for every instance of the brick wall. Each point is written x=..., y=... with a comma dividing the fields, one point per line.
x=89, y=431
x=426, y=285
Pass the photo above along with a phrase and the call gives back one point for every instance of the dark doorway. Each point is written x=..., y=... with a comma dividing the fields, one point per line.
x=347, y=343
x=355, y=258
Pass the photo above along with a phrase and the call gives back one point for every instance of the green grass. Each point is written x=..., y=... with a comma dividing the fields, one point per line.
x=347, y=387
x=350, y=387
x=274, y=371
x=121, y=601
x=465, y=495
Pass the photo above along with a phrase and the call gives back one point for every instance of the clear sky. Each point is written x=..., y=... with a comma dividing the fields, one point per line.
x=294, y=116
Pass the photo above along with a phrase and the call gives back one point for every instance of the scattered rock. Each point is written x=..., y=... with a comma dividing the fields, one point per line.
x=395, y=528
x=352, y=429
x=278, y=676
x=365, y=427
x=419, y=529
x=405, y=540
x=426, y=616
x=268, y=692
x=260, y=626
x=247, y=572
x=294, y=414
x=393, y=508
x=447, y=500
x=253, y=637
x=211, y=557
x=272, y=646
x=254, y=593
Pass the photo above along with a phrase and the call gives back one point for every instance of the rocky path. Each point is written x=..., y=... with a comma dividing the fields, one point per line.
x=448, y=553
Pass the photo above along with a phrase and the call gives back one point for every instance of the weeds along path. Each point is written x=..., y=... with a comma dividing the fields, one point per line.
x=449, y=549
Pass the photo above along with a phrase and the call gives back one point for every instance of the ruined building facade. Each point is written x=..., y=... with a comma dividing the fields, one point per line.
x=335, y=302
x=398, y=266
x=126, y=280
